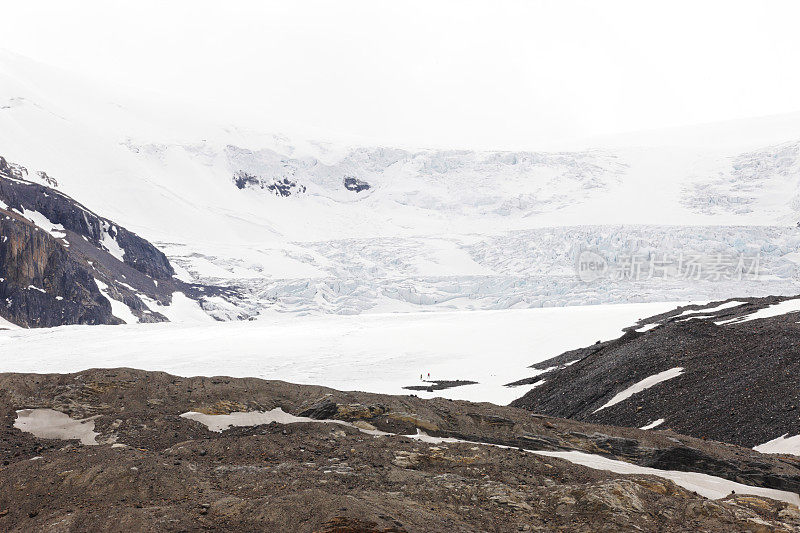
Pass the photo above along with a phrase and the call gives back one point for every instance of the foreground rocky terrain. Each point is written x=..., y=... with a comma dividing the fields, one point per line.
x=734, y=374
x=135, y=464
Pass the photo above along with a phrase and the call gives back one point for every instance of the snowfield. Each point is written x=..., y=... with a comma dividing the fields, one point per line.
x=375, y=353
x=428, y=229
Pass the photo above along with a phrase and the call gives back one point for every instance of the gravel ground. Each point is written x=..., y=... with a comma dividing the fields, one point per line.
x=739, y=382
x=154, y=470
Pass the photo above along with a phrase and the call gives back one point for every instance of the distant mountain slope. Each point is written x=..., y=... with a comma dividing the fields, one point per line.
x=297, y=225
x=60, y=263
x=163, y=167
x=41, y=284
x=725, y=371
x=58, y=209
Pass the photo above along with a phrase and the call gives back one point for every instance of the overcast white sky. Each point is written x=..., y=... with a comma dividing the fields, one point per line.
x=467, y=74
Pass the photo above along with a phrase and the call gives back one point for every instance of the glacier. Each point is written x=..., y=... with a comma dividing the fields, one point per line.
x=272, y=218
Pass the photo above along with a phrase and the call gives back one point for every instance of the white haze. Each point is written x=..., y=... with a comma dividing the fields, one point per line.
x=499, y=75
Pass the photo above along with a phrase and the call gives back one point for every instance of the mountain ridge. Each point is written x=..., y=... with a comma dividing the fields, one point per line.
x=736, y=365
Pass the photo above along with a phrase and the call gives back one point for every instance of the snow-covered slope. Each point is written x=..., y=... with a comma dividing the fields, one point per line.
x=309, y=226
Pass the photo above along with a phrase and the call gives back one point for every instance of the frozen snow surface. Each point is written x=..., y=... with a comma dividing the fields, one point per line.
x=219, y=422
x=41, y=221
x=118, y=309
x=782, y=444
x=698, y=313
x=653, y=424
x=703, y=484
x=780, y=308
x=109, y=242
x=373, y=352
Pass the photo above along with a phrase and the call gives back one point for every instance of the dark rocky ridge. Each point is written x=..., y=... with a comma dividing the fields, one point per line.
x=739, y=382
x=19, y=194
x=175, y=475
x=49, y=279
x=440, y=384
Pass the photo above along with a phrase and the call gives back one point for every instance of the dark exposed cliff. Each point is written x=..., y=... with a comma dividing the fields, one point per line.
x=59, y=208
x=42, y=285
x=60, y=263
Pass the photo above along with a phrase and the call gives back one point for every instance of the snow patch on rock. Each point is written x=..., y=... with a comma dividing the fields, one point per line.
x=706, y=485
x=782, y=444
x=41, y=221
x=219, y=423
x=639, y=386
x=720, y=307
x=780, y=308
x=653, y=424
x=109, y=242
x=118, y=309
x=703, y=484
x=183, y=309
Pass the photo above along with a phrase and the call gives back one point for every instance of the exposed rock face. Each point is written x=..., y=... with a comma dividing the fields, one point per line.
x=51, y=182
x=433, y=385
x=12, y=170
x=60, y=262
x=243, y=180
x=739, y=380
x=355, y=184
x=61, y=209
x=172, y=473
x=280, y=187
x=42, y=285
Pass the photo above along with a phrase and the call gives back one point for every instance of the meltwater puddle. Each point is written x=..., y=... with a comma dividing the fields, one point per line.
x=52, y=424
